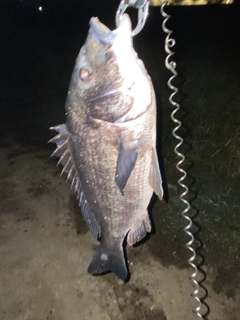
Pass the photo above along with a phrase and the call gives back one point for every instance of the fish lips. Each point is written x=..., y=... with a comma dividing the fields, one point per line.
x=107, y=36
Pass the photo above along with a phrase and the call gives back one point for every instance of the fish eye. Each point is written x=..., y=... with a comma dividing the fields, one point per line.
x=85, y=73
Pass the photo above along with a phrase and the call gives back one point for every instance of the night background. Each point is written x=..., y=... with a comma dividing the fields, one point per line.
x=45, y=245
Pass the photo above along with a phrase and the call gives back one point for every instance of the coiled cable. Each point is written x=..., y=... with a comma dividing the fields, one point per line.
x=171, y=65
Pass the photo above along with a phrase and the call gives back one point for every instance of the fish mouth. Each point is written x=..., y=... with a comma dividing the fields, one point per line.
x=104, y=34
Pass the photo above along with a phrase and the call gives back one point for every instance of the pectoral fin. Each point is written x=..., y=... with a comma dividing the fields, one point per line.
x=127, y=157
x=155, y=179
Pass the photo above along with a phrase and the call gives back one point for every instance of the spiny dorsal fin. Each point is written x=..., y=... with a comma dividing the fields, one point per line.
x=63, y=152
x=65, y=159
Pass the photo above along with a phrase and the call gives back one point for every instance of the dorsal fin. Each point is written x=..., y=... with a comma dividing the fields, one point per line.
x=89, y=217
x=65, y=159
x=63, y=152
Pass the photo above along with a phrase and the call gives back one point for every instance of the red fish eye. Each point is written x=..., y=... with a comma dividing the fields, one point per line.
x=85, y=73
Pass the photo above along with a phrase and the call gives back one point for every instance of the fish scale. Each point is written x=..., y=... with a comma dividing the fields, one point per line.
x=108, y=145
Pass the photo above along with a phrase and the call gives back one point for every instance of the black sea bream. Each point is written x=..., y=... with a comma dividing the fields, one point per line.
x=108, y=145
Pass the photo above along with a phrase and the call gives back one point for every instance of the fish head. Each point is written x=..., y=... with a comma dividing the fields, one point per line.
x=99, y=61
x=106, y=70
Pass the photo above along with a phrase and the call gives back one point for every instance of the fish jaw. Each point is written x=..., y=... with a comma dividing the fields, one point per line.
x=123, y=33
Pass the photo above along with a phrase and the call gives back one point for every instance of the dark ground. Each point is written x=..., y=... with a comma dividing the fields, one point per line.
x=45, y=246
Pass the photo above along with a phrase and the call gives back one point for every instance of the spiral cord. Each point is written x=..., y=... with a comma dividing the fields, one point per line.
x=171, y=65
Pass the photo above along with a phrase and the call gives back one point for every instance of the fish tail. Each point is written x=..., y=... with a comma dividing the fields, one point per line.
x=104, y=261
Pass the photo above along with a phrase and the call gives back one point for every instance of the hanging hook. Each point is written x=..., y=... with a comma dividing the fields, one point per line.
x=142, y=7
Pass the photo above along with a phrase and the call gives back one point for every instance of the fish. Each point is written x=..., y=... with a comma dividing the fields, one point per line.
x=107, y=146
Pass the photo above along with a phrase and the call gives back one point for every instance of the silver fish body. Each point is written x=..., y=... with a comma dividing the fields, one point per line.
x=108, y=145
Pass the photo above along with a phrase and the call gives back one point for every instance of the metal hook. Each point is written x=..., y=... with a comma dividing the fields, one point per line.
x=142, y=7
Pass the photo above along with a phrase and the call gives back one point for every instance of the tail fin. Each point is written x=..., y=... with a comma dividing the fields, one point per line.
x=104, y=261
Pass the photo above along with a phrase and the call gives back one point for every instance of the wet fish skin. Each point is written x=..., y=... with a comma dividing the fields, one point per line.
x=107, y=146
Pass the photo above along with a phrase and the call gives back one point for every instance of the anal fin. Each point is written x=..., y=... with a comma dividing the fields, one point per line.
x=138, y=233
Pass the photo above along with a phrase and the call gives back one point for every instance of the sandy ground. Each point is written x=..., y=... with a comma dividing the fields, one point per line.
x=45, y=246
x=46, y=249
